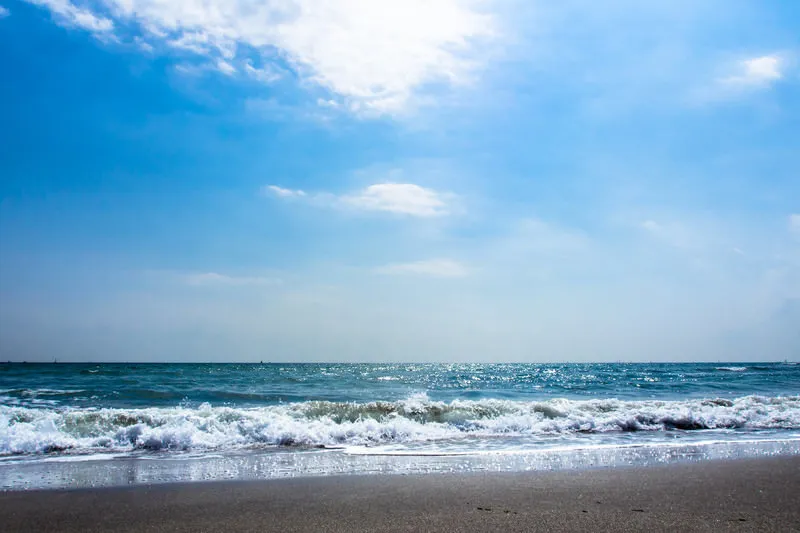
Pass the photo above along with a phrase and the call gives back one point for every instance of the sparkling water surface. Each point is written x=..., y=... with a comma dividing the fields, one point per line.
x=167, y=385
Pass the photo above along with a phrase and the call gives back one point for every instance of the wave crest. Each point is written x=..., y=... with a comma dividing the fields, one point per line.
x=26, y=430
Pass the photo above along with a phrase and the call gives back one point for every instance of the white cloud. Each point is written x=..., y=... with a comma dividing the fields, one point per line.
x=794, y=224
x=440, y=268
x=400, y=198
x=215, y=279
x=283, y=193
x=372, y=53
x=4, y=12
x=69, y=14
x=756, y=72
x=403, y=198
x=225, y=67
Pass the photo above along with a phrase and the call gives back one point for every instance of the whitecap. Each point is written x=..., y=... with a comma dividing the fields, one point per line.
x=417, y=419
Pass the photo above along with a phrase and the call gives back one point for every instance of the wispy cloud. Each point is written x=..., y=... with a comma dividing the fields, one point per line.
x=219, y=66
x=283, y=193
x=215, y=279
x=225, y=67
x=402, y=198
x=742, y=78
x=265, y=74
x=373, y=55
x=4, y=12
x=69, y=14
x=756, y=72
x=439, y=268
x=398, y=198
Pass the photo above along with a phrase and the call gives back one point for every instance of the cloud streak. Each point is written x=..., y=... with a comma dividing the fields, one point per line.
x=283, y=193
x=397, y=198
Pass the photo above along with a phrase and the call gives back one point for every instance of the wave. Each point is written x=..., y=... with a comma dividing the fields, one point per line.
x=731, y=368
x=25, y=430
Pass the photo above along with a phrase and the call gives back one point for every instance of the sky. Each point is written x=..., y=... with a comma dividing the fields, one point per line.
x=399, y=180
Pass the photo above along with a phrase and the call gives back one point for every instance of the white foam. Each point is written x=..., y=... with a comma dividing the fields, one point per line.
x=26, y=430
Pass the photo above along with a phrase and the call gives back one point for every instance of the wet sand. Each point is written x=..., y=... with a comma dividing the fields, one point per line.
x=740, y=495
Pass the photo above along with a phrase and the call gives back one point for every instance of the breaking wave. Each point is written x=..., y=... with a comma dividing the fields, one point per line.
x=25, y=430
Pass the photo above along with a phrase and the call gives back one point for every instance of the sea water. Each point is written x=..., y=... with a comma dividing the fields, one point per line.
x=106, y=424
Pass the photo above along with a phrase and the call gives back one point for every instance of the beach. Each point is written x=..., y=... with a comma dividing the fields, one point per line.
x=741, y=495
x=400, y=447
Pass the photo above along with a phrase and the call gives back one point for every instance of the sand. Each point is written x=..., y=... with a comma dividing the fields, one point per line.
x=741, y=495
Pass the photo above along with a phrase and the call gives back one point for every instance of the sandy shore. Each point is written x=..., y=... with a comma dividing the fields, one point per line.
x=741, y=495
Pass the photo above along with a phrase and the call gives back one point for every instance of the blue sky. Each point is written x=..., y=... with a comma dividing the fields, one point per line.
x=418, y=180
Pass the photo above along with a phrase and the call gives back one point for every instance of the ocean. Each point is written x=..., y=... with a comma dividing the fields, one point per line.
x=116, y=424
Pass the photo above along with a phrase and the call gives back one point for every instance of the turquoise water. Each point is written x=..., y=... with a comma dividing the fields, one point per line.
x=169, y=385
x=330, y=417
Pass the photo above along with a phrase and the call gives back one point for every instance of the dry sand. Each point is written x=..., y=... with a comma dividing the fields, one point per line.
x=741, y=495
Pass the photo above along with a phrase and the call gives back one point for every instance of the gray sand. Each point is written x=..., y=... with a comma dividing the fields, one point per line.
x=741, y=495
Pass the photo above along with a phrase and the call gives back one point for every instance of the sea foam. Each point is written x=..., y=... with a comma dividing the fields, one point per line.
x=25, y=430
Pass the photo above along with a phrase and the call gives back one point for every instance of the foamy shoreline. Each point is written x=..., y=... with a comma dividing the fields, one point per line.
x=102, y=470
